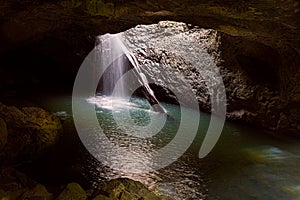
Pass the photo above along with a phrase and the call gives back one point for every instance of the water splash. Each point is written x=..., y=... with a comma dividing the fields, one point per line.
x=114, y=103
x=113, y=84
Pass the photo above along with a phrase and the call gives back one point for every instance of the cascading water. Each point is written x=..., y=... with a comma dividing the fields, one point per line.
x=111, y=47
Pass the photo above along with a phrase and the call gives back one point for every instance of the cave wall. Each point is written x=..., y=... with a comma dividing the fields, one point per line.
x=43, y=43
x=249, y=70
x=271, y=74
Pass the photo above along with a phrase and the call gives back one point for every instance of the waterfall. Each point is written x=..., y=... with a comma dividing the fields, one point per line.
x=111, y=47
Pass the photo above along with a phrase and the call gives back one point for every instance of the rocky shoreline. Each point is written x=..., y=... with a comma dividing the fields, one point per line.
x=27, y=134
x=15, y=185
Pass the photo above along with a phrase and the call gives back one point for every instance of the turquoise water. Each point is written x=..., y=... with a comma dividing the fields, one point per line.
x=246, y=163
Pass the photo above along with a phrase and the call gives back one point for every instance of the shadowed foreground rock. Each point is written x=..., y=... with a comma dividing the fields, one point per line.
x=15, y=185
x=124, y=189
x=72, y=191
x=3, y=133
x=30, y=131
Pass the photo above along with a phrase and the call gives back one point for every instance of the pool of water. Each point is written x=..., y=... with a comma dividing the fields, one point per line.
x=246, y=163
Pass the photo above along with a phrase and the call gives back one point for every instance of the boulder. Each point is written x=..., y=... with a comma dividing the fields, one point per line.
x=15, y=185
x=182, y=59
x=101, y=197
x=72, y=191
x=124, y=189
x=39, y=192
x=30, y=131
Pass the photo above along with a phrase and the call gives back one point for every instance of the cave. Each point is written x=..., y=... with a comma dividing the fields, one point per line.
x=208, y=108
x=259, y=70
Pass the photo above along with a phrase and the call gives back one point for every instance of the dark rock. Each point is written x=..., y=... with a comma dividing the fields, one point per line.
x=3, y=133
x=102, y=197
x=15, y=185
x=72, y=191
x=12, y=179
x=125, y=189
x=39, y=192
x=30, y=131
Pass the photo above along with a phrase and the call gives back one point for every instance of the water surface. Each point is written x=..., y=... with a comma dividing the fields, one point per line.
x=246, y=163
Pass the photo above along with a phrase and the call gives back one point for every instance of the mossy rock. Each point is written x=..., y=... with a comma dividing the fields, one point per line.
x=102, y=197
x=71, y=192
x=39, y=192
x=15, y=185
x=101, y=8
x=30, y=132
x=124, y=189
x=112, y=189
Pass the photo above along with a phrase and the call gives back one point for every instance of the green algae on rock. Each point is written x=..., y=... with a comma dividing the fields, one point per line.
x=72, y=191
x=124, y=189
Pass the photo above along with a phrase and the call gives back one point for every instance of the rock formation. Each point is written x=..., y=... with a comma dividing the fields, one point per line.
x=30, y=131
x=259, y=42
x=15, y=185
x=248, y=71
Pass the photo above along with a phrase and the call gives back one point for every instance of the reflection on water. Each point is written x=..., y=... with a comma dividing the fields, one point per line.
x=245, y=164
x=115, y=104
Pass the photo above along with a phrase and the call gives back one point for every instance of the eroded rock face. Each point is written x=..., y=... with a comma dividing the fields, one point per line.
x=170, y=55
x=261, y=86
x=180, y=58
x=30, y=131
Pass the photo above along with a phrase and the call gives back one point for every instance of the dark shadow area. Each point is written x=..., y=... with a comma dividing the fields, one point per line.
x=44, y=65
x=259, y=71
x=67, y=161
